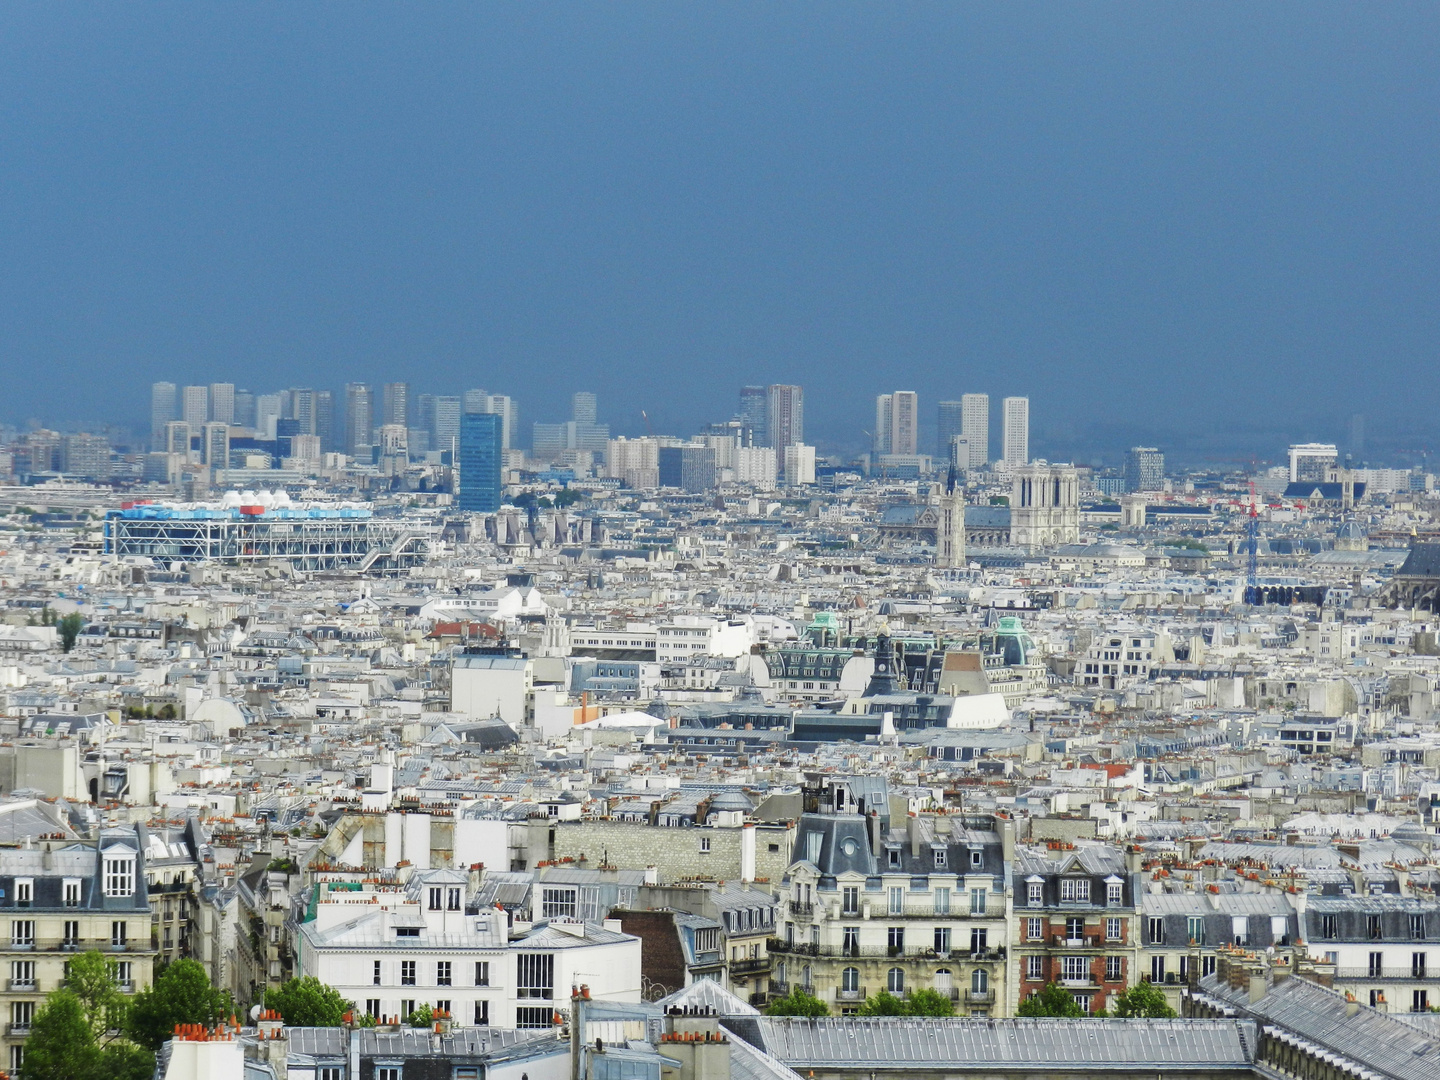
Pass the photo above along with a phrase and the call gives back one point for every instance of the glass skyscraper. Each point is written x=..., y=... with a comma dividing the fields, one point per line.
x=481, y=449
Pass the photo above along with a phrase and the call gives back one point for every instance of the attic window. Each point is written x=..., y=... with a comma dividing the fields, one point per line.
x=120, y=875
x=939, y=858
x=894, y=856
x=976, y=858
x=407, y=931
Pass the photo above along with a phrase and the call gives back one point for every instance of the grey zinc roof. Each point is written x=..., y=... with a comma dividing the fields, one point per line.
x=707, y=996
x=1319, y=1016
x=895, y=1044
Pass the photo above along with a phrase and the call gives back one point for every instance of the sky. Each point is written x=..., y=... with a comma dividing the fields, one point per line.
x=1211, y=225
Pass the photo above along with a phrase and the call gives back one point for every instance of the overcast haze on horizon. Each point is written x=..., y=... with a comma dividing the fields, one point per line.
x=1210, y=224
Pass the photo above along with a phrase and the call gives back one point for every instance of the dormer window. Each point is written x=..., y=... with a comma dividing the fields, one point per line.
x=71, y=892
x=1075, y=890
x=1036, y=893
x=939, y=858
x=120, y=875
x=24, y=892
x=976, y=858
x=1114, y=891
x=895, y=857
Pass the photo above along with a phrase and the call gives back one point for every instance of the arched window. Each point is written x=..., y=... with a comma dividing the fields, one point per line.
x=850, y=980
x=895, y=981
x=979, y=981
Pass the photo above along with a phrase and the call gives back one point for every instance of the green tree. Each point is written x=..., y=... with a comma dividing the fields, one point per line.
x=92, y=979
x=1145, y=1000
x=182, y=994
x=70, y=627
x=884, y=1004
x=61, y=1045
x=125, y=1061
x=928, y=1002
x=799, y=1002
x=422, y=1017
x=1052, y=1001
x=307, y=1002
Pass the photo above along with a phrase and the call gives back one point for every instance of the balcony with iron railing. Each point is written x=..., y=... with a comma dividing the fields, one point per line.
x=1089, y=941
x=749, y=966
x=20, y=1028
x=873, y=952
x=980, y=997
x=1409, y=972
x=857, y=994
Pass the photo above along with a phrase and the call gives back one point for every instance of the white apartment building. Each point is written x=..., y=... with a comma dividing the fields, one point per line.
x=897, y=423
x=1016, y=411
x=799, y=464
x=975, y=427
x=755, y=466
x=634, y=462
x=392, y=949
x=699, y=635
x=1312, y=461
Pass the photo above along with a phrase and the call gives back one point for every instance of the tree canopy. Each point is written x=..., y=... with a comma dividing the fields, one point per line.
x=61, y=1045
x=1053, y=1001
x=91, y=976
x=798, y=1002
x=182, y=994
x=925, y=1002
x=307, y=1002
x=1143, y=1000
x=70, y=627
x=884, y=1004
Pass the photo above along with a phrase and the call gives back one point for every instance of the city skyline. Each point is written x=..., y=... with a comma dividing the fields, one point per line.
x=1101, y=256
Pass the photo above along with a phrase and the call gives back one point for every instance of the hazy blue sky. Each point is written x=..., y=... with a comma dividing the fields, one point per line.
x=1209, y=221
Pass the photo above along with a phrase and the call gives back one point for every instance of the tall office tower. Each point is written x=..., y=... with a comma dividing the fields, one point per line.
x=177, y=438
x=195, y=406
x=785, y=415
x=754, y=410
x=506, y=408
x=244, y=409
x=222, y=402
x=975, y=426
x=269, y=408
x=359, y=420
x=1017, y=431
x=395, y=405
x=440, y=415
x=302, y=408
x=884, y=406
x=325, y=420
x=897, y=423
x=1144, y=469
x=162, y=411
x=478, y=486
x=476, y=401
x=904, y=422
x=949, y=424
x=215, y=444
x=582, y=407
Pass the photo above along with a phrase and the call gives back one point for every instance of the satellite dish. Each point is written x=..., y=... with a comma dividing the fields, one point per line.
x=254, y=1012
